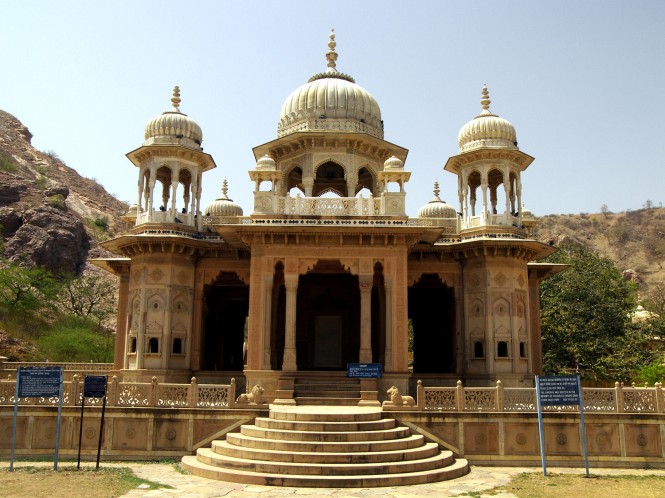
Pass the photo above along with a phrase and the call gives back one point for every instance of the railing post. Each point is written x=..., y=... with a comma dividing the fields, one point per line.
x=113, y=392
x=459, y=396
x=659, y=397
x=74, y=392
x=232, y=393
x=420, y=395
x=153, y=392
x=193, y=394
x=618, y=390
x=499, y=396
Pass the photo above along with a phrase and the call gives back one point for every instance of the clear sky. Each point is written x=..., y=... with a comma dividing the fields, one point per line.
x=581, y=81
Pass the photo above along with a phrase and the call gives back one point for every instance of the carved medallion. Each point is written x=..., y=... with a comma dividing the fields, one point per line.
x=561, y=439
x=500, y=279
x=156, y=275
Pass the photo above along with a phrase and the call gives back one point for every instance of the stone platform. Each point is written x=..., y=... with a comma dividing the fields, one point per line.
x=325, y=446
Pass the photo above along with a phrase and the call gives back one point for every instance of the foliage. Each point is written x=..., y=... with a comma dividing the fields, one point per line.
x=102, y=222
x=652, y=373
x=26, y=289
x=585, y=319
x=41, y=182
x=77, y=340
x=88, y=296
x=7, y=163
x=57, y=201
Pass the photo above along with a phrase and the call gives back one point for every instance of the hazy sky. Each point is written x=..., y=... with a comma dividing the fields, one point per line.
x=581, y=81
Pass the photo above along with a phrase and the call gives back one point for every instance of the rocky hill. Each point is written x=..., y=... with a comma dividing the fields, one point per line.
x=50, y=215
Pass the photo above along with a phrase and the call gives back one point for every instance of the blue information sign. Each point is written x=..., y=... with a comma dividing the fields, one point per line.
x=36, y=382
x=364, y=370
x=561, y=390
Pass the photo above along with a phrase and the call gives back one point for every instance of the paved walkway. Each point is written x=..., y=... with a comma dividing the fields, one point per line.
x=186, y=485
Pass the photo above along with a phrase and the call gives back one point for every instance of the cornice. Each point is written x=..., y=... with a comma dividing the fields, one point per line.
x=143, y=153
x=517, y=157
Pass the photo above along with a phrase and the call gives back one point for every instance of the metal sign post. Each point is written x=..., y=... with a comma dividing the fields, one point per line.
x=38, y=382
x=559, y=390
x=94, y=386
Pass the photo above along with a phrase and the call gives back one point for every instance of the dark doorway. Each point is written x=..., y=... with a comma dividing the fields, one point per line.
x=432, y=314
x=328, y=318
x=227, y=302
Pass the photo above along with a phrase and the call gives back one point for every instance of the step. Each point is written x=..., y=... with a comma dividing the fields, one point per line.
x=209, y=457
x=321, y=436
x=326, y=413
x=325, y=401
x=243, y=440
x=369, y=425
x=427, y=450
x=456, y=469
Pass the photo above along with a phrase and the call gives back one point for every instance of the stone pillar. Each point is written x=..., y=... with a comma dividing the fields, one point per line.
x=388, y=286
x=365, y=282
x=309, y=186
x=267, y=320
x=140, y=335
x=121, y=325
x=289, y=360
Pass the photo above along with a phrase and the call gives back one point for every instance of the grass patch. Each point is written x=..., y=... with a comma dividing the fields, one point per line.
x=68, y=481
x=532, y=485
x=7, y=163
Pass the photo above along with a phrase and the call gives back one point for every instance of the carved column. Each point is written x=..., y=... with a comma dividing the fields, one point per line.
x=267, y=319
x=121, y=325
x=140, y=335
x=365, y=282
x=388, y=286
x=289, y=360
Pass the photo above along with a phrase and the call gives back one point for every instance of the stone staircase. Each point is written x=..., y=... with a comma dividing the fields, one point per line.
x=328, y=447
x=326, y=391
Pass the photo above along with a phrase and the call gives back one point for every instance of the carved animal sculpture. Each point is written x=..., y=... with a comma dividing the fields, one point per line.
x=252, y=398
x=397, y=399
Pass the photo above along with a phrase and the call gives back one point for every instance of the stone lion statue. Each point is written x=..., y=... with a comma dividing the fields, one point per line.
x=397, y=399
x=251, y=398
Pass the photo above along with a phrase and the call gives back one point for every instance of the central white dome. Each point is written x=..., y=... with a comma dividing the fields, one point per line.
x=330, y=101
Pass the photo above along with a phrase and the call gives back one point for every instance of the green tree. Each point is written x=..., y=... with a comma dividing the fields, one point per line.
x=88, y=296
x=26, y=289
x=585, y=319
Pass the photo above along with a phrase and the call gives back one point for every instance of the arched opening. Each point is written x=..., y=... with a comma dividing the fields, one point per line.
x=329, y=177
x=164, y=177
x=432, y=314
x=478, y=350
x=328, y=318
x=185, y=179
x=278, y=322
x=502, y=349
x=153, y=345
x=496, y=195
x=294, y=180
x=473, y=183
x=227, y=302
x=365, y=180
x=378, y=316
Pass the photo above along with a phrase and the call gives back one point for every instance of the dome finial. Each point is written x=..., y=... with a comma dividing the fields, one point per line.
x=436, y=189
x=331, y=55
x=485, y=100
x=175, y=100
x=225, y=188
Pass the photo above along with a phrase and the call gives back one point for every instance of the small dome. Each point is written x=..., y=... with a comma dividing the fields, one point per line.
x=266, y=163
x=173, y=127
x=393, y=163
x=330, y=101
x=436, y=208
x=223, y=206
x=487, y=130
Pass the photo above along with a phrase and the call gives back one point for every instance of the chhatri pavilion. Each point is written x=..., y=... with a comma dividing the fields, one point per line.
x=328, y=269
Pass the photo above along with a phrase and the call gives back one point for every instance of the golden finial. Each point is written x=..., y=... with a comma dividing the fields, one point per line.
x=175, y=100
x=485, y=101
x=225, y=187
x=331, y=55
x=436, y=189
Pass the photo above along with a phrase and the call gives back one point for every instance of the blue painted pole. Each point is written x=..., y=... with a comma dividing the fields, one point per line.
x=540, y=428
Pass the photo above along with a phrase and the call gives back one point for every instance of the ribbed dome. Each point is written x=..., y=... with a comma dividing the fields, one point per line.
x=487, y=130
x=393, y=163
x=436, y=208
x=266, y=163
x=174, y=127
x=223, y=206
x=330, y=101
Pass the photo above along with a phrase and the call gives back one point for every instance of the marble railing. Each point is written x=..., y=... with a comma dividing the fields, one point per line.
x=619, y=399
x=134, y=394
